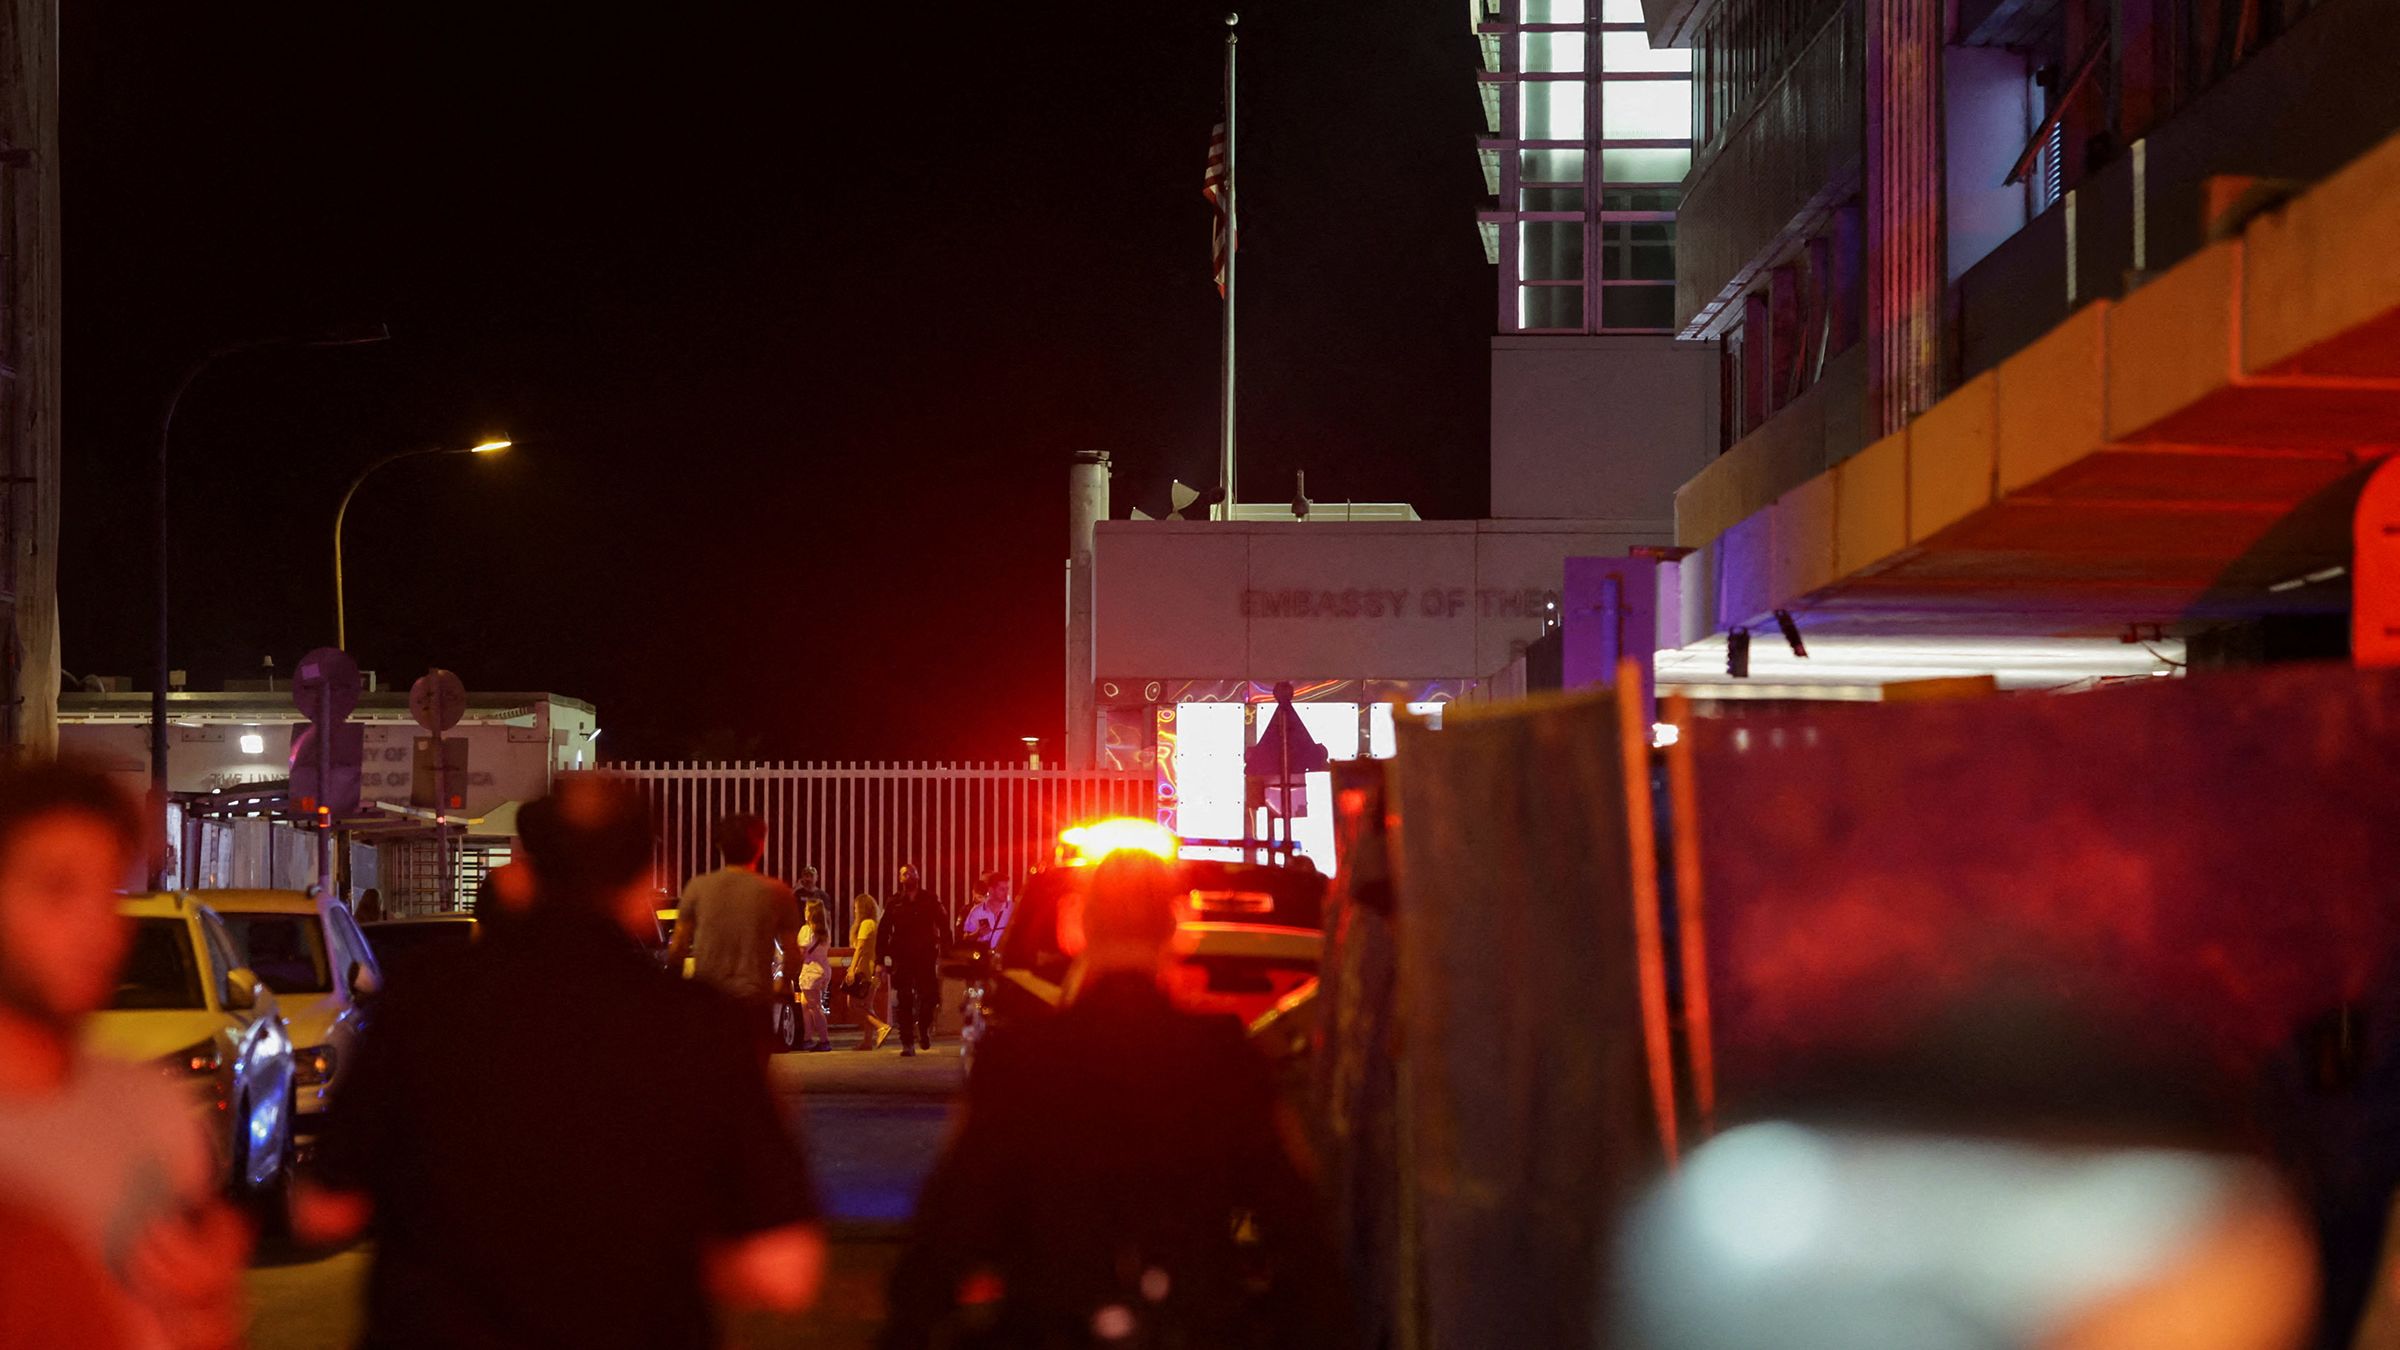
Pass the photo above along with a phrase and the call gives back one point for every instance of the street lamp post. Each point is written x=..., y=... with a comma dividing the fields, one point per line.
x=357, y=336
x=341, y=613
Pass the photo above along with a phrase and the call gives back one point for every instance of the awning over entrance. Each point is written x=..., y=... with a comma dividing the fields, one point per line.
x=2190, y=454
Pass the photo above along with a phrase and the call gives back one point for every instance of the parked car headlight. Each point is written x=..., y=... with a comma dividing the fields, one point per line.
x=194, y=1061
x=314, y=1065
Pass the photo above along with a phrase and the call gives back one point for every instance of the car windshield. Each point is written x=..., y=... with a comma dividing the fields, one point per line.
x=285, y=951
x=404, y=942
x=162, y=970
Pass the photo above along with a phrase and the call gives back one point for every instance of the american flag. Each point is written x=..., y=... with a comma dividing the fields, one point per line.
x=1218, y=188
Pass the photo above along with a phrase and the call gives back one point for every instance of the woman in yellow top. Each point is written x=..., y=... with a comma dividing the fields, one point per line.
x=866, y=983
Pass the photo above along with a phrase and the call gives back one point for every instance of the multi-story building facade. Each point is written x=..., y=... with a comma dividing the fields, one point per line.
x=2036, y=317
x=1597, y=412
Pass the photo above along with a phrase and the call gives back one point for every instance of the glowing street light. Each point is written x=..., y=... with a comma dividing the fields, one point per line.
x=341, y=618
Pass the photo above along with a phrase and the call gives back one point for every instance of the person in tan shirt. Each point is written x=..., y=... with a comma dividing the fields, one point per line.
x=732, y=921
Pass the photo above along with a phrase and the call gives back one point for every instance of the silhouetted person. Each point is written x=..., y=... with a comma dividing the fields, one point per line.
x=1121, y=1172
x=808, y=888
x=731, y=923
x=506, y=892
x=370, y=906
x=556, y=1142
x=105, y=1154
x=915, y=933
x=2334, y=1104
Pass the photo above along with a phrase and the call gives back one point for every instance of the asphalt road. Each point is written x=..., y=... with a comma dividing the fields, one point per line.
x=873, y=1123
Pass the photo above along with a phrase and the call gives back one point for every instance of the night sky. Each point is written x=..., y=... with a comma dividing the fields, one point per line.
x=795, y=313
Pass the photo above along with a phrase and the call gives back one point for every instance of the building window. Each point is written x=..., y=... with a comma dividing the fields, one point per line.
x=1550, y=250
x=1552, y=110
x=1549, y=52
x=1633, y=250
x=1585, y=79
x=1550, y=309
x=2054, y=166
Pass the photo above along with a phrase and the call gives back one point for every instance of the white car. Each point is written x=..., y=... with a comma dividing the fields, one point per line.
x=310, y=952
x=186, y=1004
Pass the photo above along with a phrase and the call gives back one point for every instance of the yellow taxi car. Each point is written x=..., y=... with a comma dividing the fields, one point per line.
x=187, y=1004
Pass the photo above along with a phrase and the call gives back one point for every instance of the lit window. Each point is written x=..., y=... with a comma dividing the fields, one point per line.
x=1551, y=166
x=2054, y=170
x=1644, y=166
x=1624, y=52
x=1383, y=740
x=1335, y=725
x=1621, y=11
x=1556, y=11
x=1553, y=52
x=1553, y=110
x=1208, y=770
x=1647, y=110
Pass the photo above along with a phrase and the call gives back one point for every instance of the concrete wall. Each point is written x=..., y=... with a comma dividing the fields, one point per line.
x=504, y=763
x=1824, y=426
x=1435, y=599
x=1599, y=428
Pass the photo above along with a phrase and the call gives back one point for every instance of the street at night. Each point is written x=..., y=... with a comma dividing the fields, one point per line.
x=1339, y=675
x=877, y=1122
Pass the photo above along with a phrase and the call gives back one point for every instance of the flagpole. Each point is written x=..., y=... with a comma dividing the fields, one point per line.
x=1232, y=250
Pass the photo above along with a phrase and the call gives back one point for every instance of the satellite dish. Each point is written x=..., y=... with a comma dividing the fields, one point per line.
x=1140, y=514
x=1185, y=502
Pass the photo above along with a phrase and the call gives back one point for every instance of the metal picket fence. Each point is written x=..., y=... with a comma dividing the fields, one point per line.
x=856, y=823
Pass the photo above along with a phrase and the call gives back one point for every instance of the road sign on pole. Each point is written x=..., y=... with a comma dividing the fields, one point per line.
x=325, y=769
x=1277, y=768
x=326, y=757
x=438, y=781
x=326, y=685
x=437, y=701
